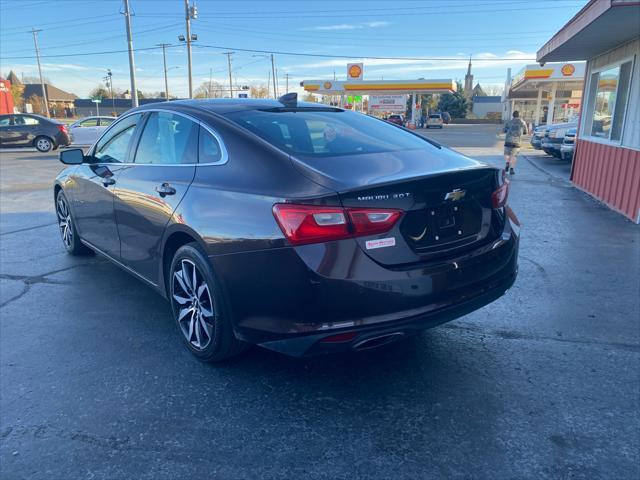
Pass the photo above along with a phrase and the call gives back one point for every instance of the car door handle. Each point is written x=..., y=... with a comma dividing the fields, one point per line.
x=165, y=189
x=107, y=181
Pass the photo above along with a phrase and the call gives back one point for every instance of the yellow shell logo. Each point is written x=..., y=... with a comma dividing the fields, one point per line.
x=567, y=70
x=355, y=71
x=327, y=85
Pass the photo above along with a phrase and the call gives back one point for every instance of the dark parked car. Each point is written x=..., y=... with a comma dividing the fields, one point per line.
x=568, y=144
x=397, y=119
x=553, y=138
x=296, y=226
x=536, y=137
x=27, y=130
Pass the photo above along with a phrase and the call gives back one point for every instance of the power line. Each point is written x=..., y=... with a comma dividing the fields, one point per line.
x=393, y=13
x=278, y=52
x=366, y=57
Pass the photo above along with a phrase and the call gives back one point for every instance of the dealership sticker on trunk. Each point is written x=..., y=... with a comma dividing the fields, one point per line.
x=381, y=243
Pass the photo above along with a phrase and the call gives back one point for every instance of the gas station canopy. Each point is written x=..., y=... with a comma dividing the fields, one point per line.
x=366, y=87
x=547, y=93
x=531, y=76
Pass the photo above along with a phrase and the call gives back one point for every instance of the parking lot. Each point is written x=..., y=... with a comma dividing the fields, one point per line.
x=543, y=383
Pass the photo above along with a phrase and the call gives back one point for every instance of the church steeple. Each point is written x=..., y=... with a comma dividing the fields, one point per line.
x=468, y=82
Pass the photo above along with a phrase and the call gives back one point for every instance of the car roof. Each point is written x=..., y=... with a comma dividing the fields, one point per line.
x=228, y=105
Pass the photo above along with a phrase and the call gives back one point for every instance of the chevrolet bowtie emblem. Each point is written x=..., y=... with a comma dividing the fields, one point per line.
x=455, y=195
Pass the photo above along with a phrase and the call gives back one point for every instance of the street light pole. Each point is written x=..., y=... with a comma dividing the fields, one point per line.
x=273, y=75
x=228, y=54
x=132, y=66
x=188, y=39
x=44, y=90
x=286, y=76
x=109, y=80
x=164, y=61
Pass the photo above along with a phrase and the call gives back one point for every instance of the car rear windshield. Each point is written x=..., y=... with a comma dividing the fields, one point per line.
x=326, y=133
x=434, y=116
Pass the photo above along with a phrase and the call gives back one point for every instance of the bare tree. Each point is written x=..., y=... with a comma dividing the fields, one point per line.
x=260, y=91
x=493, y=90
x=209, y=90
x=30, y=79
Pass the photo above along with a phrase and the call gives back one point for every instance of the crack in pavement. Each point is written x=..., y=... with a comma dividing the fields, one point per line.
x=30, y=280
x=26, y=229
x=511, y=335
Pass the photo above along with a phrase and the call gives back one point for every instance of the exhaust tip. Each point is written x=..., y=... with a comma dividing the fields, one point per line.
x=380, y=340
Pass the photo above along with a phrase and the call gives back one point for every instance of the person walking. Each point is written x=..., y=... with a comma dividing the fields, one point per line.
x=513, y=129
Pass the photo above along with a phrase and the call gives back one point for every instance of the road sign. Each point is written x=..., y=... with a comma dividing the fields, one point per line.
x=96, y=100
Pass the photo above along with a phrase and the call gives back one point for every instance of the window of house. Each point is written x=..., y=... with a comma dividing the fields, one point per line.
x=608, y=96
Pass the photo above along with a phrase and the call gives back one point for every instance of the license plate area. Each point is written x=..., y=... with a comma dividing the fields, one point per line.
x=444, y=225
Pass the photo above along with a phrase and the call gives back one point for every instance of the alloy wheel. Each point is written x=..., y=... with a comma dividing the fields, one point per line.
x=193, y=304
x=43, y=144
x=64, y=221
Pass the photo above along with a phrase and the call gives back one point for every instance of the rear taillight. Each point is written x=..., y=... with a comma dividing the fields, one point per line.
x=499, y=197
x=303, y=224
x=63, y=128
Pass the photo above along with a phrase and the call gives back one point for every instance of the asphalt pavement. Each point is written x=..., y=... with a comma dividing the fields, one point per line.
x=543, y=383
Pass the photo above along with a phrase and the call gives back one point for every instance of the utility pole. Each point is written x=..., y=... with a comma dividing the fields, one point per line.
x=269, y=84
x=109, y=80
x=210, y=82
x=44, y=90
x=188, y=38
x=228, y=54
x=286, y=76
x=164, y=61
x=273, y=75
x=132, y=66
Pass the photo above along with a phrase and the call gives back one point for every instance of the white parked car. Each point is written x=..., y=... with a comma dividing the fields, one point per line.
x=434, y=120
x=87, y=130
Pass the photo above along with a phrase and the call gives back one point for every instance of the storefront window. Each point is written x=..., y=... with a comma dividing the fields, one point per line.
x=608, y=95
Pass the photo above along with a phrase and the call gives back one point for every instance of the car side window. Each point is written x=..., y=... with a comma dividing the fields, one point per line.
x=30, y=121
x=168, y=139
x=114, y=145
x=106, y=121
x=209, y=150
x=5, y=121
x=89, y=122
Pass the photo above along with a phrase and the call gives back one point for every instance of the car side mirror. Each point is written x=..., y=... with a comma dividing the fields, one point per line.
x=73, y=156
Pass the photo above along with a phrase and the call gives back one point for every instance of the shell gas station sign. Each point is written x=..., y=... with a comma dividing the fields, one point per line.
x=569, y=71
x=355, y=71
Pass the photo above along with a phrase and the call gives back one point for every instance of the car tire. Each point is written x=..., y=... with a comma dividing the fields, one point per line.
x=70, y=238
x=199, y=307
x=43, y=144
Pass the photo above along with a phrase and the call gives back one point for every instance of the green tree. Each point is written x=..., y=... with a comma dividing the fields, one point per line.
x=99, y=92
x=455, y=103
x=16, y=95
x=37, y=105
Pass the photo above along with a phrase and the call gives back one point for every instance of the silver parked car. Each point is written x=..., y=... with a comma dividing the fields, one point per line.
x=87, y=130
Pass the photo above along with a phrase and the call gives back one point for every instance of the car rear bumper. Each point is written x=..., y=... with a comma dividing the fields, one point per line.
x=62, y=139
x=536, y=143
x=290, y=299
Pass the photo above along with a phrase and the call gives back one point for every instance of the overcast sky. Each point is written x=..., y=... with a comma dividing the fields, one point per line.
x=76, y=32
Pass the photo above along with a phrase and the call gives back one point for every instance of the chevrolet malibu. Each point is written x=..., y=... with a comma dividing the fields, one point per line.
x=296, y=226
